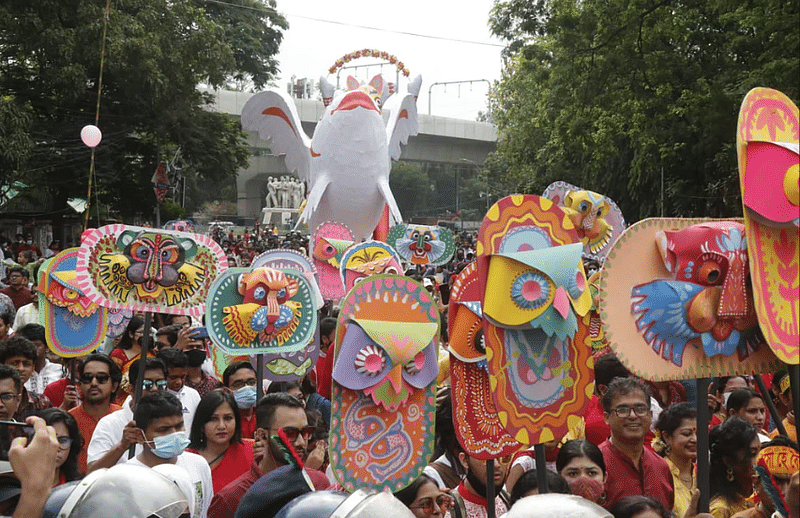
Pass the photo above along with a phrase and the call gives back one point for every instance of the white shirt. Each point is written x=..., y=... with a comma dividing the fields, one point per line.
x=27, y=314
x=39, y=380
x=199, y=474
x=190, y=398
x=109, y=432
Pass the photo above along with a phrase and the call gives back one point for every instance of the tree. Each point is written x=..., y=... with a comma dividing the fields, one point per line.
x=611, y=94
x=157, y=52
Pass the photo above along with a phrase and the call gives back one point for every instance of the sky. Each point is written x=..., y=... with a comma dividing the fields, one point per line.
x=420, y=33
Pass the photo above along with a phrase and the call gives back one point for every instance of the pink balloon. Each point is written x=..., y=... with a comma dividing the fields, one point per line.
x=91, y=135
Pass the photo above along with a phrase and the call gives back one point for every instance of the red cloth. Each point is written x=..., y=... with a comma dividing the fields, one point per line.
x=597, y=431
x=226, y=500
x=248, y=425
x=624, y=479
x=20, y=297
x=55, y=391
x=234, y=463
x=86, y=424
x=206, y=385
x=324, y=371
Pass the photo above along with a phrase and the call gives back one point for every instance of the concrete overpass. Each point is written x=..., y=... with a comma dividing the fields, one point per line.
x=441, y=141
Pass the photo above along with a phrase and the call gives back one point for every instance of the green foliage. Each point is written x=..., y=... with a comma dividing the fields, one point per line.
x=607, y=94
x=157, y=53
x=410, y=187
x=16, y=144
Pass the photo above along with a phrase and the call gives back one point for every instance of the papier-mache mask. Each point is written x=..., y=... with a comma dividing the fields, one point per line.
x=368, y=258
x=534, y=295
x=707, y=303
x=261, y=310
x=477, y=426
x=597, y=219
x=288, y=366
x=422, y=244
x=73, y=324
x=330, y=241
x=144, y=269
x=384, y=382
x=676, y=303
x=286, y=259
x=767, y=144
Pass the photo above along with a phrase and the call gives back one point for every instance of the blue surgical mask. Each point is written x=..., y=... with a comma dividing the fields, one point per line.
x=245, y=397
x=169, y=446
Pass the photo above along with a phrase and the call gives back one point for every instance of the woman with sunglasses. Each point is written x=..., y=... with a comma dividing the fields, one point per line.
x=216, y=435
x=69, y=444
x=425, y=499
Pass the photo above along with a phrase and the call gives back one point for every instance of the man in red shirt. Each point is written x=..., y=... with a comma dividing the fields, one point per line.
x=17, y=289
x=324, y=369
x=98, y=379
x=632, y=469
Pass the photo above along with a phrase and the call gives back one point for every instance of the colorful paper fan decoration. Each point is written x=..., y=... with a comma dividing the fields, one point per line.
x=534, y=295
x=181, y=225
x=221, y=359
x=422, y=244
x=288, y=366
x=368, y=258
x=73, y=324
x=596, y=218
x=767, y=145
x=330, y=241
x=478, y=428
x=286, y=259
x=143, y=269
x=118, y=320
x=384, y=383
x=596, y=339
x=261, y=310
x=675, y=302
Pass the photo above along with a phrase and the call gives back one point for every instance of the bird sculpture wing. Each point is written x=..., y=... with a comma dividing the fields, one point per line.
x=273, y=115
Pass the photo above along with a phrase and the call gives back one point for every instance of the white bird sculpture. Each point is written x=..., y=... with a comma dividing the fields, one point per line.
x=347, y=162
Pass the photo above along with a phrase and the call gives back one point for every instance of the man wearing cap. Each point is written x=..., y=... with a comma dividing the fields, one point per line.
x=781, y=387
x=274, y=411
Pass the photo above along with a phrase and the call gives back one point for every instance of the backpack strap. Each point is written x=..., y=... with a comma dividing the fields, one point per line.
x=448, y=474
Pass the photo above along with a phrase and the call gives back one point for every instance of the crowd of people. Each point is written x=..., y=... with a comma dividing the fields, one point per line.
x=633, y=452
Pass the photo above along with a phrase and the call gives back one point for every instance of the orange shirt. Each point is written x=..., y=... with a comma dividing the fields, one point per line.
x=87, y=424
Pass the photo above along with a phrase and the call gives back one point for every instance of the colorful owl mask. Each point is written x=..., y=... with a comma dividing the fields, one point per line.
x=143, y=269
x=261, y=310
x=767, y=144
x=422, y=244
x=74, y=325
x=368, y=258
x=477, y=426
x=330, y=241
x=384, y=374
x=675, y=301
x=596, y=218
x=534, y=291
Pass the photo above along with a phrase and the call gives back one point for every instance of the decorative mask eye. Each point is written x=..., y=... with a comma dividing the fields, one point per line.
x=140, y=252
x=427, y=237
x=70, y=295
x=599, y=212
x=391, y=270
x=578, y=284
x=480, y=342
x=281, y=294
x=370, y=360
x=329, y=250
x=584, y=206
x=169, y=255
x=415, y=364
x=415, y=235
x=530, y=290
x=259, y=293
x=710, y=273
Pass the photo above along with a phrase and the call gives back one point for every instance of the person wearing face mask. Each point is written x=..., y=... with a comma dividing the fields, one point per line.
x=240, y=377
x=177, y=365
x=216, y=436
x=196, y=377
x=159, y=416
x=581, y=464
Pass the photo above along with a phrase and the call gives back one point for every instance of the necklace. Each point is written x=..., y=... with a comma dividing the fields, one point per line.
x=218, y=457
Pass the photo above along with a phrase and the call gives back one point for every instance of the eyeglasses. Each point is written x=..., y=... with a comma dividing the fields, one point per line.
x=160, y=384
x=292, y=432
x=624, y=410
x=64, y=442
x=7, y=397
x=444, y=502
x=236, y=385
x=101, y=377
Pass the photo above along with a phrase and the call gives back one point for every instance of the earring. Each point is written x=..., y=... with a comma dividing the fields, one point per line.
x=603, y=498
x=667, y=450
x=729, y=475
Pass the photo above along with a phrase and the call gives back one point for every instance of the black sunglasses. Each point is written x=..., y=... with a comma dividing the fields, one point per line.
x=101, y=377
x=160, y=384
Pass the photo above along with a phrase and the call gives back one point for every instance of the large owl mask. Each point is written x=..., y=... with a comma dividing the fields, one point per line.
x=596, y=218
x=384, y=374
x=74, y=325
x=534, y=293
x=477, y=426
x=135, y=268
x=422, y=244
x=261, y=310
x=767, y=144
